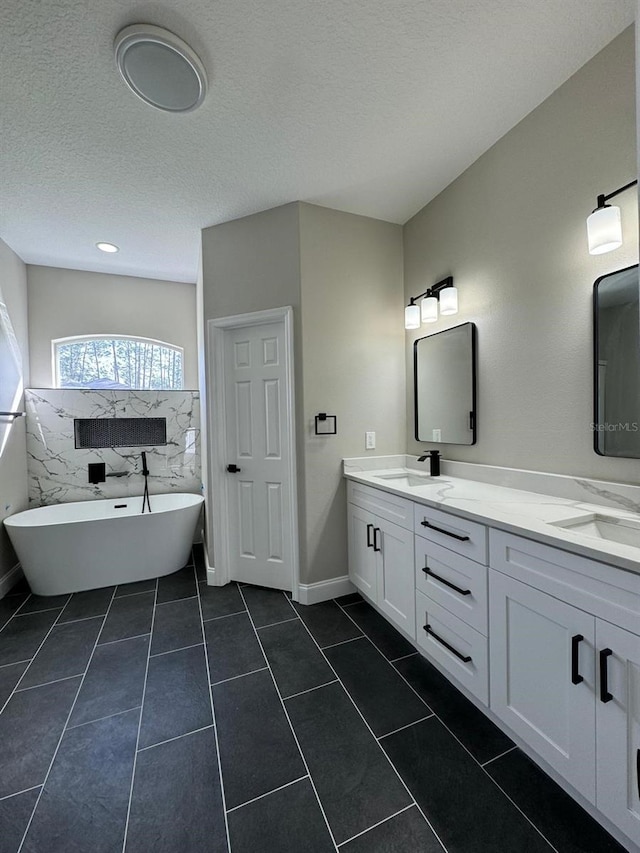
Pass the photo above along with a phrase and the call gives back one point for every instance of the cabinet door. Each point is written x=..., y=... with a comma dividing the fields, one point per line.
x=536, y=655
x=396, y=578
x=362, y=559
x=618, y=728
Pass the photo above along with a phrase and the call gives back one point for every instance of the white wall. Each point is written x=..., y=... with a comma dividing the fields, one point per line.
x=65, y=302
x=511, y=230
x=13, y=462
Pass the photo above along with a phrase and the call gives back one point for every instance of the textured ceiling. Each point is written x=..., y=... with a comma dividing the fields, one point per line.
x=369, y=106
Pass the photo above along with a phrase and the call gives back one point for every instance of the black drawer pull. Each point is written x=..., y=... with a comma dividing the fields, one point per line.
x=605, y=696
x=369, y=529
x=376, y=546
x=576, y=678
x=426, y=523
x=638, y=769
x=429, y=571
x=464, y=658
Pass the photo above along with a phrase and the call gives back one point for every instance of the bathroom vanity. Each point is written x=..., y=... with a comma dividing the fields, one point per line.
x=529, y=603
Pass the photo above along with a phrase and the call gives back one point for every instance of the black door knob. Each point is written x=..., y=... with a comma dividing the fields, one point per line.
x=233, y=469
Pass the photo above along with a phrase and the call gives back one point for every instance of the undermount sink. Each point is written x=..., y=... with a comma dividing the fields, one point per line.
x=409, y=478
x=625, y=531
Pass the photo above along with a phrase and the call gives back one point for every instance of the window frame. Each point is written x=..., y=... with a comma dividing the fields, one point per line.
x=70, y=339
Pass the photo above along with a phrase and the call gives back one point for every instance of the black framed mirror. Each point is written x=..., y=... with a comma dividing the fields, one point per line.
x=616, y=364
x=444, y=375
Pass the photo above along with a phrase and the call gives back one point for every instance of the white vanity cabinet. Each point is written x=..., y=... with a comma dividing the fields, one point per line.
x=380, y=536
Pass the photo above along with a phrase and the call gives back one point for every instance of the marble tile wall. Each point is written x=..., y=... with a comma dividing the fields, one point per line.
x=58, y=472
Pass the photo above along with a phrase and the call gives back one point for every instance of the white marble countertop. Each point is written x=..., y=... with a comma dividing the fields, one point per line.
x=524, y=513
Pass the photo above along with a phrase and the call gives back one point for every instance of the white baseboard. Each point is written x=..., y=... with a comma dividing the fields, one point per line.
x=211, y=572
x=10, y=579
x=314, y=593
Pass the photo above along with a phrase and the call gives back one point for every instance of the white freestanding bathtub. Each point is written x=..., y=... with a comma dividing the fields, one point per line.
x=90, y=544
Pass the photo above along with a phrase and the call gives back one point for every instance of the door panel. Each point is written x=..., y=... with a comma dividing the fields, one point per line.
x=396, y=576
x=259, y=494
x=618, y=727
x=362, y=560
x=531, y=673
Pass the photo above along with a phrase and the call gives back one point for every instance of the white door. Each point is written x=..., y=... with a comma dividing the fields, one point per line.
x=542, y=676
x=362, y=561
x=618, y=727
x=257, y=466
x=393, y=546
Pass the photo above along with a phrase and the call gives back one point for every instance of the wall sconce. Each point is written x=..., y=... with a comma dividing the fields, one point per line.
x=604, y=226
x=443, y=296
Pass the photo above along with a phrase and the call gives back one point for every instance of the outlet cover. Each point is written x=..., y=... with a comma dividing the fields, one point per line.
x=370, y=440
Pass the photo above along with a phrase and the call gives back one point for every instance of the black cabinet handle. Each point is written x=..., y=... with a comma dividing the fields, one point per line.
x=376, y=547
x=233, y=469
x=429, y=571
x=638, y=770
x=576, y=678
x=369, y=529
x=426, y=523
x=431, y=632
x=605, y=696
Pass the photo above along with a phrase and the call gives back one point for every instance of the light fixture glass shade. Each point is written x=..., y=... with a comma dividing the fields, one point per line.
x=449, y=301
x=604, y=230
x=412, y=316
x=429, y=309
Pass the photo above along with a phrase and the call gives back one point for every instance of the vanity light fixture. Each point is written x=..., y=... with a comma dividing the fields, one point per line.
x=443, y=296
x=107, y=247
x=604, y=226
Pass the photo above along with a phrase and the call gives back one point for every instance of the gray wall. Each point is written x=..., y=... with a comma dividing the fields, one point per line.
x=353, y=364
x=65, y=302
x=13, y=462
x=343, y=276
x=511, y=230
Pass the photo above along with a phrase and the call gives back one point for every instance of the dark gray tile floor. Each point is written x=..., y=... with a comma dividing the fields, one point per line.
x=173, y=717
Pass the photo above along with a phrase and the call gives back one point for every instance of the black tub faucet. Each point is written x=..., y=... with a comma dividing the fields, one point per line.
x=434, y=462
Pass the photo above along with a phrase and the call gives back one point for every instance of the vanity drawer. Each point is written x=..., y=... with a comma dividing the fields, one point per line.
x=453, y=581
x=457, y=534
x=457, y=647
x=606, y=591
x=383, y=504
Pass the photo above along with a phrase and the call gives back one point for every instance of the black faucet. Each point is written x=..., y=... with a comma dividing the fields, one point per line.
x=434, y=462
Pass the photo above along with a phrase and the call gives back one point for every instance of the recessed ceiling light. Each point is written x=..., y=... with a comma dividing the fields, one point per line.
x=160, y=68
x=107, y=247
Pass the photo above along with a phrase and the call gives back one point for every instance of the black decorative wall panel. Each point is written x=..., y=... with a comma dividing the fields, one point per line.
x=119, y=432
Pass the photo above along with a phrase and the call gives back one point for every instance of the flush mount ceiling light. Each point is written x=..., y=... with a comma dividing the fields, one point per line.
x=604, y=226
x=443, y=296
x=107, y=247
x=160, y=68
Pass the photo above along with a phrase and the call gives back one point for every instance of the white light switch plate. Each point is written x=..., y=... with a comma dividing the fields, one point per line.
x=369, y=441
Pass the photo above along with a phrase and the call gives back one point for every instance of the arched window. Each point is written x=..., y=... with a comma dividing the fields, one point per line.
x=116, y=361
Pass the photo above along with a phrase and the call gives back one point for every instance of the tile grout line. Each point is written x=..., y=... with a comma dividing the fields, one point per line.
x=18, y=614
x=171, y=651
x=47, y=683
x=144, y=691
x=64, y=728
x=176, y=600
x=501, y=755
x=131, y=594
x=177, y=737
x=224, y=616
x=268, y=794
x=359, y=712
x=46, y=637
x=286, y=713
x=234, y=677
x=310, y=690
x=213, y=712
x=81, y=619
x=461, y=744
x=341, y=643
x=403, y=657
x=15, y=663
x=124, y=639
x=407, y=726
x=106, y=717
x=273, y=624
x=380, y=822
x=17, y=793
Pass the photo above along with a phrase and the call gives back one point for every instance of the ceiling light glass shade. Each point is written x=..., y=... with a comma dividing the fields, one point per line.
x=429, y=309
x=449, y=301
x=107, y=247
x=412, y=316
x=604, y=230
x=160, y=68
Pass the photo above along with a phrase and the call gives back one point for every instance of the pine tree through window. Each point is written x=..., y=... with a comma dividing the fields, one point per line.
x=112, y=361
